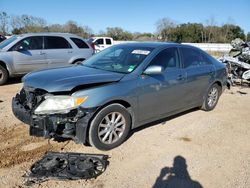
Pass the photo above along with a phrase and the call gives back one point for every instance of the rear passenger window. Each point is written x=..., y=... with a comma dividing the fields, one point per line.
x=167, y=58
x=108, y=41
x=205, y=59
x=99, y=41
x=194, y=58
x=56, y=43
x=79, y=43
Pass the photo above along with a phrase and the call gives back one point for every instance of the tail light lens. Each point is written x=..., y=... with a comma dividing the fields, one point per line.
x=93, y=46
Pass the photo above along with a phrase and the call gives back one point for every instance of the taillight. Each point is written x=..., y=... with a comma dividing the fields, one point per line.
x=93, y=46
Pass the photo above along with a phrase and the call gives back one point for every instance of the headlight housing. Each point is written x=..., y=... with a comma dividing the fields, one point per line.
x=59, y=104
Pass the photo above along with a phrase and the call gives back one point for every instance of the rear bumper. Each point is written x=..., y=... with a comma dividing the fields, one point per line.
x=72, y=125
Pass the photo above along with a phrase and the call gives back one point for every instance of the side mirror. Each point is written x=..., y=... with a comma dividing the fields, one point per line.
x=153, y=69
x=20, y=48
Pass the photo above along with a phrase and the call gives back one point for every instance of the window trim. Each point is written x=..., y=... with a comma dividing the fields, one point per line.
x=102, y=41
x=196, y=50
x=12, y=47
x=44, y=39
x=109, y=40
x=161, y=50
x=73, y=38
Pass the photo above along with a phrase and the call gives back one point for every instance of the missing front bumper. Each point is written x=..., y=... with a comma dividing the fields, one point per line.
x=72, y=125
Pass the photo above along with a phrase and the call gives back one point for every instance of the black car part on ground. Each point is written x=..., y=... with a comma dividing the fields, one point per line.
x=67, y=166
x=72, y=125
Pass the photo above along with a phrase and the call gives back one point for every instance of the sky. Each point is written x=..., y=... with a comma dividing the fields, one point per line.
x=132, y=15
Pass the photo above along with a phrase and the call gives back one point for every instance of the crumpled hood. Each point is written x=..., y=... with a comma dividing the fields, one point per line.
x=67, y=78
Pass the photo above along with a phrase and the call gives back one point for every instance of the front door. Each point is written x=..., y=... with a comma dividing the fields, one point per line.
x=163, y=93
x=28, y=55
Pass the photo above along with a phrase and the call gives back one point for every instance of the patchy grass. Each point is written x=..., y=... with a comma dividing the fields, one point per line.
x=216, y=54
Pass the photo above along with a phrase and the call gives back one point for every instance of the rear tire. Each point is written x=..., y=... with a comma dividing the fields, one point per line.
x=78, y=61
x=110, y=127
x=211, y=98
x=4, y=75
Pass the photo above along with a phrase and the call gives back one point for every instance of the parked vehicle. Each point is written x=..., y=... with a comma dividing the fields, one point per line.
x=119, y=89
x=21, y=54
x=101, y=43
x=2, y=38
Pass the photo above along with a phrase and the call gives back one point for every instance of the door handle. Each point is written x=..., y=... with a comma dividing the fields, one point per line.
x=70, y=52
x=42, y=53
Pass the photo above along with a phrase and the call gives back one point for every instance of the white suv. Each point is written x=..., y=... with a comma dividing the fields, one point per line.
x=24, y=53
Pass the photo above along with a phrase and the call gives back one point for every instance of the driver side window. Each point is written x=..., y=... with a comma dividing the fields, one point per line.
x=167, y=58
x=30, y=43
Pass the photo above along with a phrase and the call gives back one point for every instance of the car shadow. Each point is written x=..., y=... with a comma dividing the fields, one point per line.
x=176, y=176
x=160, y=121
x=15, y=80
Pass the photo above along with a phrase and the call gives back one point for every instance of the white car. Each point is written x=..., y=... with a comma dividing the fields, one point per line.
x=24, y=53
x=101, y=43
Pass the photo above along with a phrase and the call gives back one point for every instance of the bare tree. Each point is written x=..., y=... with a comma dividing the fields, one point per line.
x=210, y=29
x=164, y=27
x=4, y=23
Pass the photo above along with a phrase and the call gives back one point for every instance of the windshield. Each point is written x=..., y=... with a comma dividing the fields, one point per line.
x=122, y=59
x=7, y=41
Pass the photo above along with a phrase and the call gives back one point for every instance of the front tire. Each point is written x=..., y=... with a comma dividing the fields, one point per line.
x=3, y=75
x=110, y=127
x=211, y=98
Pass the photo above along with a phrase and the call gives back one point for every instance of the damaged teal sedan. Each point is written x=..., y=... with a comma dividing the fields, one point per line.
x=99, y=101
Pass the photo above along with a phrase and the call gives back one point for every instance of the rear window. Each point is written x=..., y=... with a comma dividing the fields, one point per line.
x=79, y=43
x=108, y=41
x=52, y=42
x=194, y=58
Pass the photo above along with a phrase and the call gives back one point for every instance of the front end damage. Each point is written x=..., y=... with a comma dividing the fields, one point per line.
x=71, y=125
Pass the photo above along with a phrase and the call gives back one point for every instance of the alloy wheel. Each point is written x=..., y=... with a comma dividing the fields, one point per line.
x=212, y=97
x=111, y=128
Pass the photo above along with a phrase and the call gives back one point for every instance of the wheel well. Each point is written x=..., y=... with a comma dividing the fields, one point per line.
x=121, y=102
x=4, y=66
x=80, y=59
x=218, y=83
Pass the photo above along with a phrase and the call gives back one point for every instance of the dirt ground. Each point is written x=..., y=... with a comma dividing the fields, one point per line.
x=193, y=149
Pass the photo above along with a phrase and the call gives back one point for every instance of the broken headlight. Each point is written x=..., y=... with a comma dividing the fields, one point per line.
x=59, y=104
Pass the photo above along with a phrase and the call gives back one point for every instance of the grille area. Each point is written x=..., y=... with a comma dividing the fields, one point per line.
x=30, y=99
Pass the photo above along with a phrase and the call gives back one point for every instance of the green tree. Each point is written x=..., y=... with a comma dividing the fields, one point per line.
x=118, y=33
x=248, y=36
x=231, y=32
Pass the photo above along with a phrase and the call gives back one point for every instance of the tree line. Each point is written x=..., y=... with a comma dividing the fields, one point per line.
x=166, y=30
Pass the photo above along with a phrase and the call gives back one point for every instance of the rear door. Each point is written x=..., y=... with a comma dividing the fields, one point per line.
x=163, y=93
x=108, y=42
x=28, y=55
x=82, y=49
x=199, y=71
x=58, y=51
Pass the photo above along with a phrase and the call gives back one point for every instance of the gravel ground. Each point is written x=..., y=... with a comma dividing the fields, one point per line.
x=193, y=149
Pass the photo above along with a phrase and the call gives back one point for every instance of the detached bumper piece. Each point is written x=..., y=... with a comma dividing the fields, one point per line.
x=67, y=166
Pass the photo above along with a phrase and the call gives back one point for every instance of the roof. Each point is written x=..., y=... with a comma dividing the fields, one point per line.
x=48, y=34
x=150, y=44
